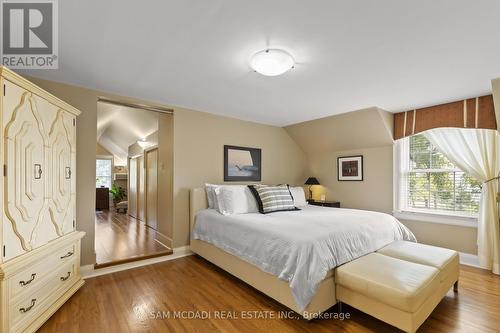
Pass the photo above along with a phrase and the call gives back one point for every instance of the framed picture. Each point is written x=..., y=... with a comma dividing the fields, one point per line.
x=350, y=168
x=242, y=164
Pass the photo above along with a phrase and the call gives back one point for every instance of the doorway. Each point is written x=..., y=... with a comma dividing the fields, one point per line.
x=134, y=163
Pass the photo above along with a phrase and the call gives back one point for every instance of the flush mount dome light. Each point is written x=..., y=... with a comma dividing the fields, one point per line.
x=272, y=62
x=142, y=143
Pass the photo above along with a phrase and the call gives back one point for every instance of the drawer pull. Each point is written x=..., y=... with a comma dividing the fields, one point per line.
x=25, y=283
x=69, y=254
x=24, y=310
x=64, y=278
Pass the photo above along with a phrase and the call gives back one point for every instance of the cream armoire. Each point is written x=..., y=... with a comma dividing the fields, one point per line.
x=40, y=247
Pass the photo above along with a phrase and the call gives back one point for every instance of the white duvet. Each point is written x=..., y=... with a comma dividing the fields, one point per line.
x=300, y=246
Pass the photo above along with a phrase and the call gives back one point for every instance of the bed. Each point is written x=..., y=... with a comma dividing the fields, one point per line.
x=246, y=246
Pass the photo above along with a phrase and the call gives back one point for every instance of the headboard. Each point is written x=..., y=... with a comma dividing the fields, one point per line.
x=197, y=202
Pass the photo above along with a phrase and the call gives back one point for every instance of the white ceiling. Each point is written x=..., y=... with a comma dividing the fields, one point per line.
x=119, y=127
x=394, y=54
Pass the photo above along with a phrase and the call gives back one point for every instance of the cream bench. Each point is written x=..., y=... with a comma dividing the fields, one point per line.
x=446, y=260
x=400, y=284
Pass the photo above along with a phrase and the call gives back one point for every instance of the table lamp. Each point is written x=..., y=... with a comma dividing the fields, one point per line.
x=311, y=181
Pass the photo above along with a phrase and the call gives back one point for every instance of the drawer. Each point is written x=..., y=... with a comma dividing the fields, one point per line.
x=66, y=253
x=29, y=278
x=32, y=304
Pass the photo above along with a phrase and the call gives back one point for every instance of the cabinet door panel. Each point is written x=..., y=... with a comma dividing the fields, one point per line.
x=25, y=156
x=61, y=185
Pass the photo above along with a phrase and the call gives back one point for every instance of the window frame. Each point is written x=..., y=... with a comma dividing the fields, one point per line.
x=400, y=193
x=110, y=158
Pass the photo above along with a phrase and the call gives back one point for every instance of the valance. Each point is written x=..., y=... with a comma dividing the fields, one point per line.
x=476, y=112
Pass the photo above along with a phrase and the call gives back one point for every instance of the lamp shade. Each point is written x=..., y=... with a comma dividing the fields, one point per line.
x=312, y=181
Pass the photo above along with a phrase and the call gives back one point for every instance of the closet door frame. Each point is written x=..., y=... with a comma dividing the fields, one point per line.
x=129, y=192
x=146, y=183
x=141, y=167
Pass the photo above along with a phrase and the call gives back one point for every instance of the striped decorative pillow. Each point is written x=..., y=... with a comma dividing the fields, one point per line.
x=273, y=198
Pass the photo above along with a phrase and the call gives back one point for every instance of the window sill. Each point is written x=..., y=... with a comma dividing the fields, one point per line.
x=462, y=221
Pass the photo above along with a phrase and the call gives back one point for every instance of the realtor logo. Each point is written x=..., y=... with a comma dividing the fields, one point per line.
x=29, y=34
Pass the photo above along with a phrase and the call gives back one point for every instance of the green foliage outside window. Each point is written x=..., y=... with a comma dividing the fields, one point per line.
x=434, y=183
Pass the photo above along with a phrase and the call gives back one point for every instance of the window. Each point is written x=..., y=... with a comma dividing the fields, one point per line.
x=103, y=172
x=429, y=182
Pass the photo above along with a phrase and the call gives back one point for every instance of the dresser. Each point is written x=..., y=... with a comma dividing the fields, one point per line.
x=101, y=198
x=40, y=247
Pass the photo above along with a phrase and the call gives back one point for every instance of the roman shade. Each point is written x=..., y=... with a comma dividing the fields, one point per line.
x=476, y=112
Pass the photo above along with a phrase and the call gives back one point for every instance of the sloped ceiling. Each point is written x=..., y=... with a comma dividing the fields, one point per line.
x=365, y=128
x=350, y=54
x=118, y=127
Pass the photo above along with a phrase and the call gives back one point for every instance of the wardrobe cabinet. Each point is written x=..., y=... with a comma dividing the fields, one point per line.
x=40, y=261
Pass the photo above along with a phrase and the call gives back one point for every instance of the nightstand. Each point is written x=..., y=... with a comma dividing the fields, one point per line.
x=334, y=204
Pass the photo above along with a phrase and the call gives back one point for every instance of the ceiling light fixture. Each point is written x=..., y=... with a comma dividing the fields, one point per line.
x=142, y=143
x=272, y=62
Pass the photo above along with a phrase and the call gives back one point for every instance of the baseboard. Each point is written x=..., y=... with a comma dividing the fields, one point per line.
x=469, y=259
x=88, y=271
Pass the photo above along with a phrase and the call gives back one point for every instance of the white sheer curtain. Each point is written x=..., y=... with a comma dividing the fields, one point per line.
x=475, y=152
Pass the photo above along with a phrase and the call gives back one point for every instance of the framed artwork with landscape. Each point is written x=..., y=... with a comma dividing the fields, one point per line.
x=242, y=164
x=350, y=168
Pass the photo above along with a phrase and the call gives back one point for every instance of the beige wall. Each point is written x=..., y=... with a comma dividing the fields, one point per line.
x=376, y=193
x=373, y=193
x=198, y=156
x=458, y=238
x=371, y=127
x=198, y=153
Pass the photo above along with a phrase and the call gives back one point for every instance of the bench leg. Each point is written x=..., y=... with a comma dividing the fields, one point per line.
x=455, y=287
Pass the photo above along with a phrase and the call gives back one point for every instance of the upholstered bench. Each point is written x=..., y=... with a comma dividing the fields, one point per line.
x=399, y=292
x=122, y=205
x=446, y=260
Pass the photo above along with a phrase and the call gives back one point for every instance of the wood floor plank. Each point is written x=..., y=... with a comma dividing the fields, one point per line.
x=120, y=238
x=135, y=301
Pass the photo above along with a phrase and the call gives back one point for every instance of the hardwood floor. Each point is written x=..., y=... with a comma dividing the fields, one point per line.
x=135, y=301
x=121, y=238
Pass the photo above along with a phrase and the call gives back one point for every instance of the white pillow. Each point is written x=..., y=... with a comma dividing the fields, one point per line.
x=298, y=195
x=235, y=199
x=212, y=200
